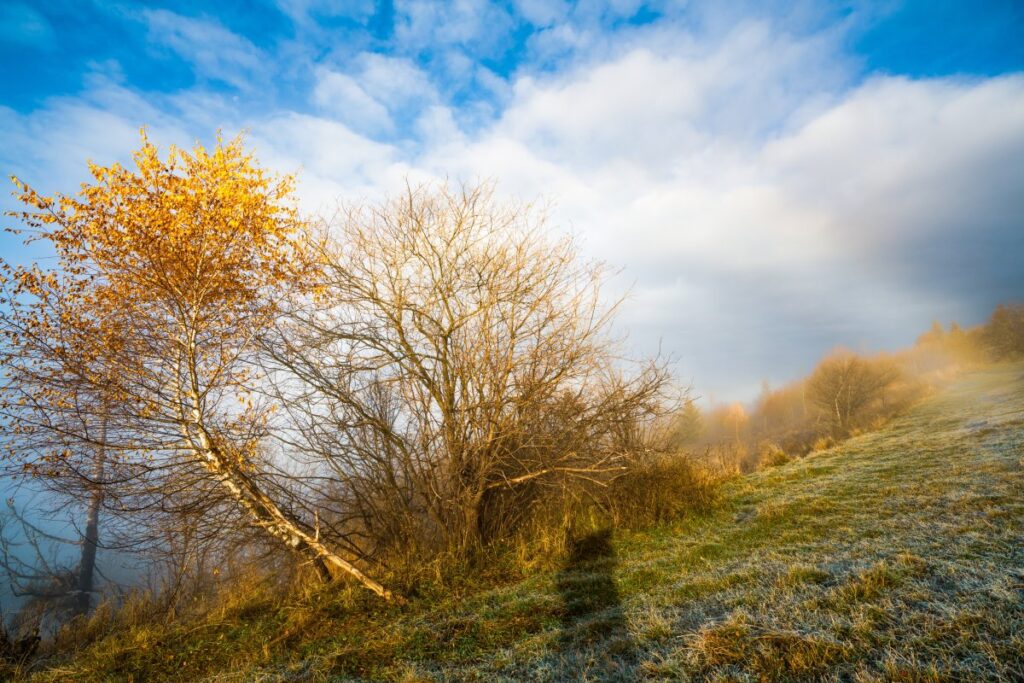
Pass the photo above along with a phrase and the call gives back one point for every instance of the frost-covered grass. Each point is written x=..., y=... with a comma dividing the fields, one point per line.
x=898, y=555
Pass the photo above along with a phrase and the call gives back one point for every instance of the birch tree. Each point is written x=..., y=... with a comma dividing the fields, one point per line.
x=167, y=276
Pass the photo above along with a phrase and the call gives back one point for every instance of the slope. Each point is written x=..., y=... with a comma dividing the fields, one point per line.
x=898, y=555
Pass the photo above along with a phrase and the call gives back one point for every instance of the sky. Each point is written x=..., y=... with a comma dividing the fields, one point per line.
x=770, y=179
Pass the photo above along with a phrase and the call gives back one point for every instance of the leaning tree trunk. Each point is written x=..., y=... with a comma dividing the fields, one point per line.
x=267, y=515
x=263, y=512
x=91, y=538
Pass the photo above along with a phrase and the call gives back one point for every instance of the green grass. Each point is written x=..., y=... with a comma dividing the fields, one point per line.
x=898, y=555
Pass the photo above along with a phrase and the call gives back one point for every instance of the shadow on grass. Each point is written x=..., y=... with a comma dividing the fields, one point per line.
x=595, y=642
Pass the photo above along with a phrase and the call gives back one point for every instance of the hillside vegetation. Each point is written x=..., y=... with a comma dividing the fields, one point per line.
x=898, y=555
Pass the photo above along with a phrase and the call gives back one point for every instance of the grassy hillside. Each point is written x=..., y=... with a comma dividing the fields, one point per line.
x=899, y=555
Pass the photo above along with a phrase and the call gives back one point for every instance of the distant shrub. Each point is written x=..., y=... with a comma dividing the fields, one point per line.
x=726, y=423
x=1003, y=334
x=685, y=427
x=823, y=443
x=847, y=394
x=799, y=441
x=850, y=390
x=661, y=488
x=772, y=455
x=938, y=353
x=729, y=458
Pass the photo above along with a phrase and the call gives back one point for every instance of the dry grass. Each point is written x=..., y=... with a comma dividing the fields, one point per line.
x=894, y=556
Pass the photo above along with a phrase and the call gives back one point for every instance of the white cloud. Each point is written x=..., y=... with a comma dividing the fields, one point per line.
x=542, y=12
x=305, y=12
x=657, y=106
x=437, y=130
x=49, y=147
x=771, y=216
x=373, y=90
x=394, y=80
x=342, y=95
x=331, y=159
x=213, y=50
x=913, y=146
x=425, y=23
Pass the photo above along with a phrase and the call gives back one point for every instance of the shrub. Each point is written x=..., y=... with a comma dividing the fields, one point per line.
x=823, y=443
x=659, y=488
x=772, y=455
x=456, y=379
x=1003, y=334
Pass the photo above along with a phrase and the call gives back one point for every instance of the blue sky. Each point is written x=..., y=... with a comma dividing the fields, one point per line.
x=49, y=48
x=774, y=178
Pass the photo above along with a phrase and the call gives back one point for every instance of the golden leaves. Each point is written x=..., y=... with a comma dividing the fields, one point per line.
x=166, y=272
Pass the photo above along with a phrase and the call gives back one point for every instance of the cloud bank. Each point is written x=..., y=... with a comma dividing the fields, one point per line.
x=764, y=199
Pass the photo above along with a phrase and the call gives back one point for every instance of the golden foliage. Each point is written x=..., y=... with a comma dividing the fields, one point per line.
x=165, y=274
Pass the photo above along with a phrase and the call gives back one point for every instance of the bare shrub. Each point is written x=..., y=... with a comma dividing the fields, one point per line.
x=455, y=376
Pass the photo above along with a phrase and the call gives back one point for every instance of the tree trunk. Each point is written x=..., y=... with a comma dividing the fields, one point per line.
x=267, y=515
x=263, y=511
x=90, y=541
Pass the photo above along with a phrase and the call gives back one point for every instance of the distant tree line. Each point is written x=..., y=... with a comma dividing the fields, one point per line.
x=847, y=393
